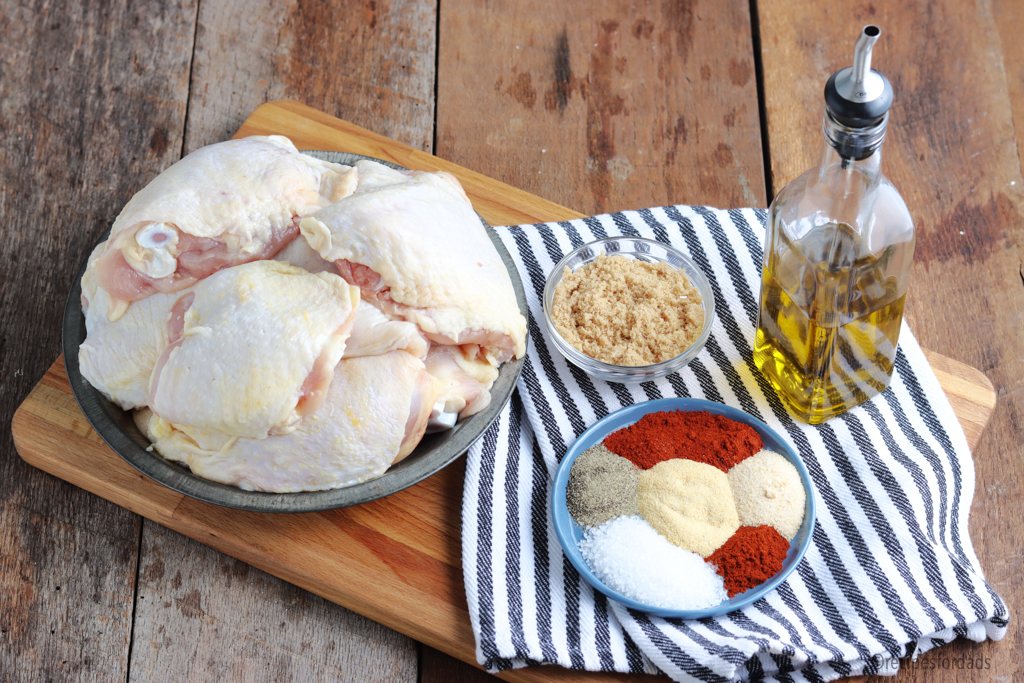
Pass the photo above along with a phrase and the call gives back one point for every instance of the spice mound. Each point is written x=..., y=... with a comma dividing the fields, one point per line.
x=628, y=312
x=689, y=503
x=753, y=555
x=633, y=559
x=693, y=435
x=601, y=486
x=768, y=491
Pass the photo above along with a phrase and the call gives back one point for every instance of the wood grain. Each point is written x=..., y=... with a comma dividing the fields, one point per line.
x=949, y=152
x=603, y=106
x=368, y=61
x=92, y=103
x=310, y=129
x=396, y=560
x=248, y=625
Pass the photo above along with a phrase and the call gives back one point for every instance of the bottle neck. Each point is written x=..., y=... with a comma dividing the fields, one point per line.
x=850, y=155
x=850, y=170
x=854, y=145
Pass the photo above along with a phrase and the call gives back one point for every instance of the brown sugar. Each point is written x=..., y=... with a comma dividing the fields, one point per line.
x=628, y=312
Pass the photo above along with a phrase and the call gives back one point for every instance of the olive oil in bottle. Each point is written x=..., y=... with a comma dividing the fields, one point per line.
x=837, y=259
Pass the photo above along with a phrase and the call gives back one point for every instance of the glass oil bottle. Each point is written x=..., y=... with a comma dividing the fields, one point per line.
x=837, y=258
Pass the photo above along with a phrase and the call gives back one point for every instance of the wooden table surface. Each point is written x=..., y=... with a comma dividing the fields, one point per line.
x=598, y=106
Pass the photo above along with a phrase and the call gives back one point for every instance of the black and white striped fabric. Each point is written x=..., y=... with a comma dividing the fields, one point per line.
x=891, y=571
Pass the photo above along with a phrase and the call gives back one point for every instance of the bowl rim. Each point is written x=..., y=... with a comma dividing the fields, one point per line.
x=567, y=530
x=116, y=428
x=693, y=272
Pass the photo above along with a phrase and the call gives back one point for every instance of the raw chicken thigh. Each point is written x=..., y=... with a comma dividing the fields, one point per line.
x=252, y=350
x=118, y=357
x=418, y=251
x=375, y=414
x=222, y=205
x=373, y=333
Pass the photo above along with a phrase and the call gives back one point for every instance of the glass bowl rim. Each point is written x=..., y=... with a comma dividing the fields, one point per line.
x=702, y=284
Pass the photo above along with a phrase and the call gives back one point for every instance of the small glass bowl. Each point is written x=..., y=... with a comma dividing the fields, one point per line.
x=644, y=250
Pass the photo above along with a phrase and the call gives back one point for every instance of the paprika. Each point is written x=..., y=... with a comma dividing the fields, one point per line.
x=750, y=557
x=694, y=435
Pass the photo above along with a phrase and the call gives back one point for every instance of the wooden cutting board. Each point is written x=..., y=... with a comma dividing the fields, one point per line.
x=395, y=560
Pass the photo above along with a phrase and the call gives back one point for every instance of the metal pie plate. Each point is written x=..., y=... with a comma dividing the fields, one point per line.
x=435, y=451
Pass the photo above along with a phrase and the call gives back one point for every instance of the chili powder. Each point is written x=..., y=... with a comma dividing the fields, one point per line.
x=694, y=435
x=750, y=557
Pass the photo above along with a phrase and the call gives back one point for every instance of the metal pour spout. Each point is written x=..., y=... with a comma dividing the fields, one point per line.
x=859, y=83
x=858, y=96
x=862, y=61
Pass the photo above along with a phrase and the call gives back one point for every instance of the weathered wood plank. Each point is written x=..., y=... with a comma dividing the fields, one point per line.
x=373, y=63
x=67, y=582
x=949, y=150
x=370, y=62
x=93, y=102
x=251, y=627
x=997, y=530
x=604, y=106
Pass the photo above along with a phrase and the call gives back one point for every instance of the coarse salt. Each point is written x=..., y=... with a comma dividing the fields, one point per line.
x=633, y=559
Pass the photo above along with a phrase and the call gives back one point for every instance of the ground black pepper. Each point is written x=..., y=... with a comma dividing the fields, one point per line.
x=601, y=486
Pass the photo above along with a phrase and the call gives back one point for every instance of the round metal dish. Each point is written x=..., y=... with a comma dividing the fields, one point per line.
x=569, y=533
x=436, y=451
x=641, y=249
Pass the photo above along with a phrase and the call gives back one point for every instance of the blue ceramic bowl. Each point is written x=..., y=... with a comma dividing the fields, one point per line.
x=569, y=533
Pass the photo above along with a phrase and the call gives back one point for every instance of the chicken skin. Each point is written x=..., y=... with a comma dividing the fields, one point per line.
x=298, y=253
x=418, y=251
x=463, y=383
x=118, y=357
x=251, y=351
x=375, y=413
x=222, y=205
x=373, y=333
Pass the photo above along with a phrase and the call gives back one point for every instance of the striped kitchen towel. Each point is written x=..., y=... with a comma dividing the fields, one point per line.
x=891, y=571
